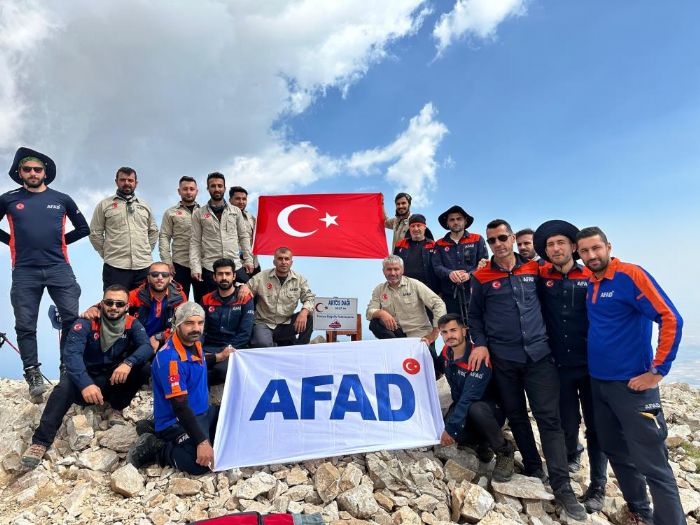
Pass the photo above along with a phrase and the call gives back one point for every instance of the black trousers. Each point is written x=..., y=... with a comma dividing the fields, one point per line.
x=575, y=388
x=541, y=383
x=484, y=424
x=129, y=278
x=180, y=451
x=376, y=326
x=183, y=275
x=632, y=432
x=66, y=393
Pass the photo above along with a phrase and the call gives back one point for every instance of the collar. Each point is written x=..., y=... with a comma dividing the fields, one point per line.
x=226, y=300
x=182, y=351
x=403, y=282
x=519, y=261
x=271, y=274
x=116, y=197
x=551, y=269
x=609, y=271
x=448, y=237
x=184, y=206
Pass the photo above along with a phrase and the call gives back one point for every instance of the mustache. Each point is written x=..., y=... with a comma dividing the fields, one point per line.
x=194, y=333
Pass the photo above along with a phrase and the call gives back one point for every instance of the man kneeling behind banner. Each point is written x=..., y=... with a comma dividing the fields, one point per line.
x=297, y=403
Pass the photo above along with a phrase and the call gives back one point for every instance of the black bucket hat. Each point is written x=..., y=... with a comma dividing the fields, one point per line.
x=550, y=228
x=442, y=219
x=22, y=153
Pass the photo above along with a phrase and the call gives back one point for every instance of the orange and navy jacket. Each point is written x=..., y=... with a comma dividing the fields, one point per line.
x=156, y=316
x=563, y=299
x=38, y=226
x=449, y=256
x=466, y=387
x=83, y=355
x=428, y=278
x=504, y=311
x=178, y=370
x=622, y=304
x=229, y=321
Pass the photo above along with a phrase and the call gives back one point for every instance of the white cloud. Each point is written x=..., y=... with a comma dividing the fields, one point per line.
x=408, y=163
x=478, y=18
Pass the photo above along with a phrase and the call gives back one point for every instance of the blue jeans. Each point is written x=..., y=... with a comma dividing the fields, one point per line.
x=28, y=283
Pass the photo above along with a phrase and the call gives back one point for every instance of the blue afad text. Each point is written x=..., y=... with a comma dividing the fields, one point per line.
x=351, y=398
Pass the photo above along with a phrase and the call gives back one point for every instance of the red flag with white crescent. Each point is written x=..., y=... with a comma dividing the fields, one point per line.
x=322, y=225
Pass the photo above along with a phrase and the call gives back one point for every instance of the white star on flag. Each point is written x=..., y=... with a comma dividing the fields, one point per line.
x=329, y=219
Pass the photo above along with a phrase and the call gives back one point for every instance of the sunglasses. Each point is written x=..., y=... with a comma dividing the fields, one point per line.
x=503, y=238
x=112, y=302
x=35, y=169
x=155, y=275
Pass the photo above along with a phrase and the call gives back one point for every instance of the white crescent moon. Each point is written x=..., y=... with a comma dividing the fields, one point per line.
x=283, y=220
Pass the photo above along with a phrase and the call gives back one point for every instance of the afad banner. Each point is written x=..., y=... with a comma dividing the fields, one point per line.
x=289, y=404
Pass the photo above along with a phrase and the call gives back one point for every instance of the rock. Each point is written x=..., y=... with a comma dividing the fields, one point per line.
x=101, y=459
x=259, y=483
x=351, y=477
x=77, y=501
x=385, y=473
x=522, y=487
x=675, y=441
x=299, y=492
x=327, y=482
x=351, y=521
x=119, y=438
x=127, y=481
x=80, y=432
x=184, y=486
x=426, y=503
x=359, y=502
x=533, y=507
x=465, y=458
x=688, y=465
x=297, y=476
x=458, y=472
x=476, y=502
x=405, y=516
x=384, y=501
x=512, y=502
x=496, y=518
x=690, y=500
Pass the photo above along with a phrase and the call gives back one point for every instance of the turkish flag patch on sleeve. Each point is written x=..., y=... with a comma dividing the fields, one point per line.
x=322, y=225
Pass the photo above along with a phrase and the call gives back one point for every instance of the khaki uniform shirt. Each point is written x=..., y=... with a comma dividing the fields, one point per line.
x=407, y=303
x=175, y=233
x=400, y=227
x=124, y=234
x=275, y=303
x=250, y=220
x=212, y=240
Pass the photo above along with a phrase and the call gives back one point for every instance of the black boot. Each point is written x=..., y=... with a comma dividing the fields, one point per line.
x=593, y=499
x=575, y=459
x=505, y=463
x=566, y=498
x=36, y=383
x=146, y=426
x=145, y=451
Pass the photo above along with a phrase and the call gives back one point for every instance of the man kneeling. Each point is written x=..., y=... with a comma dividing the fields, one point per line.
x=473, y=418
x=106, y=360
x=184, y=423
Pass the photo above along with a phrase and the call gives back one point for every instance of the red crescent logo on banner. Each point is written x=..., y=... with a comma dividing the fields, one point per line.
x=411, y=366
x=496, y=284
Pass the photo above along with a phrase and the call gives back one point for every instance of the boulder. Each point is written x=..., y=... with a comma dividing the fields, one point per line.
x=118, y=438
x=522, y=487
x=127, y=481
x=80, y=432
x=358, y=502
x=101, y=459
x=327, y=482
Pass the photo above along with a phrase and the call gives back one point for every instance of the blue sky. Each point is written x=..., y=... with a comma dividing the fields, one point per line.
x=525, y=110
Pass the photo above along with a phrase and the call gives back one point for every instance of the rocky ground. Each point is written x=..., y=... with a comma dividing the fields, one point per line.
x=84, y=478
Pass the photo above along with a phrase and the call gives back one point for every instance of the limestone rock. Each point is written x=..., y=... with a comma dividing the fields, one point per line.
x=359, y=502
x=184, y=486
x=77, y=501
x=127, y=481
x=299, y=492
x=690, y=500
x=476, y=502
x=522, y=487
x=297, y=476
x=351, y=477
x=496, y=518
x=257, y=484
x=327, y=482
x=465, y=458
x=384, y=501
x=101, y=459
x=385, y=472
x=533, y=507
x=119, y=438
x=405, y=516
x=426, y=503
x=80, y=432
x=457, y=472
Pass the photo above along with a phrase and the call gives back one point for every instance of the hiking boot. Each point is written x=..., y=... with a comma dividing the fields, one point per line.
x=146, y=426
x=36, y=383
x=505, y=463
x=568, y=502
x=640, y=518
x=33, y=455
x=145, y=451
x=484, y=452
x=116, y=418
x=575, y=460
x=593, y=499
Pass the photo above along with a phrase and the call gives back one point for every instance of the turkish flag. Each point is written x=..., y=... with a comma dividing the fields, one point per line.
x=322, y=225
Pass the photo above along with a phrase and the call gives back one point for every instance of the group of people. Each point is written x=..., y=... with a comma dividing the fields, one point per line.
x=533, y=326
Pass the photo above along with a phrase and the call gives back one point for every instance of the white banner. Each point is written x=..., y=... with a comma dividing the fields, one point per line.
x=289, y=404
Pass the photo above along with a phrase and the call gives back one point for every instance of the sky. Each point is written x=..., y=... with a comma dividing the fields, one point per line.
x=526, y=110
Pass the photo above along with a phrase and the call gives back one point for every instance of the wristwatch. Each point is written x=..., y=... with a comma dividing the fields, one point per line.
x=654, y=371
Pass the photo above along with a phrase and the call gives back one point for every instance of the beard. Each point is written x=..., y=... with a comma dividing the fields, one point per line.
x=34, y=183
x=113, y=316
x=225, y=285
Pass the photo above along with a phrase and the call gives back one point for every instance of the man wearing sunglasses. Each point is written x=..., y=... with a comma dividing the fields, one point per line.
x=106, y=361
x=507, y=327
x=153, y=303
x=38, y=243
x=123, y=231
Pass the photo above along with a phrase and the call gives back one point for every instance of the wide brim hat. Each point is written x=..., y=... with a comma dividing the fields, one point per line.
x=442, y=219
x=49, y=165
x=549, y=229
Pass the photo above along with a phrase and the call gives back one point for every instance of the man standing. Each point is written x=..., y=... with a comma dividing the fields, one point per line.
x=238, y=196
x=562, y=289
x=229, y=317
x=218, y=231
x=175, y=234
x=399, y=223
x=623, y=301
x=38, y=248
x=123, y=231
x=505, y=323
x=184, y=423
x=455, y=257
x=277, y=292
x=524, y=239
x=106, y=360
x=473, y=417
x=416, y=252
